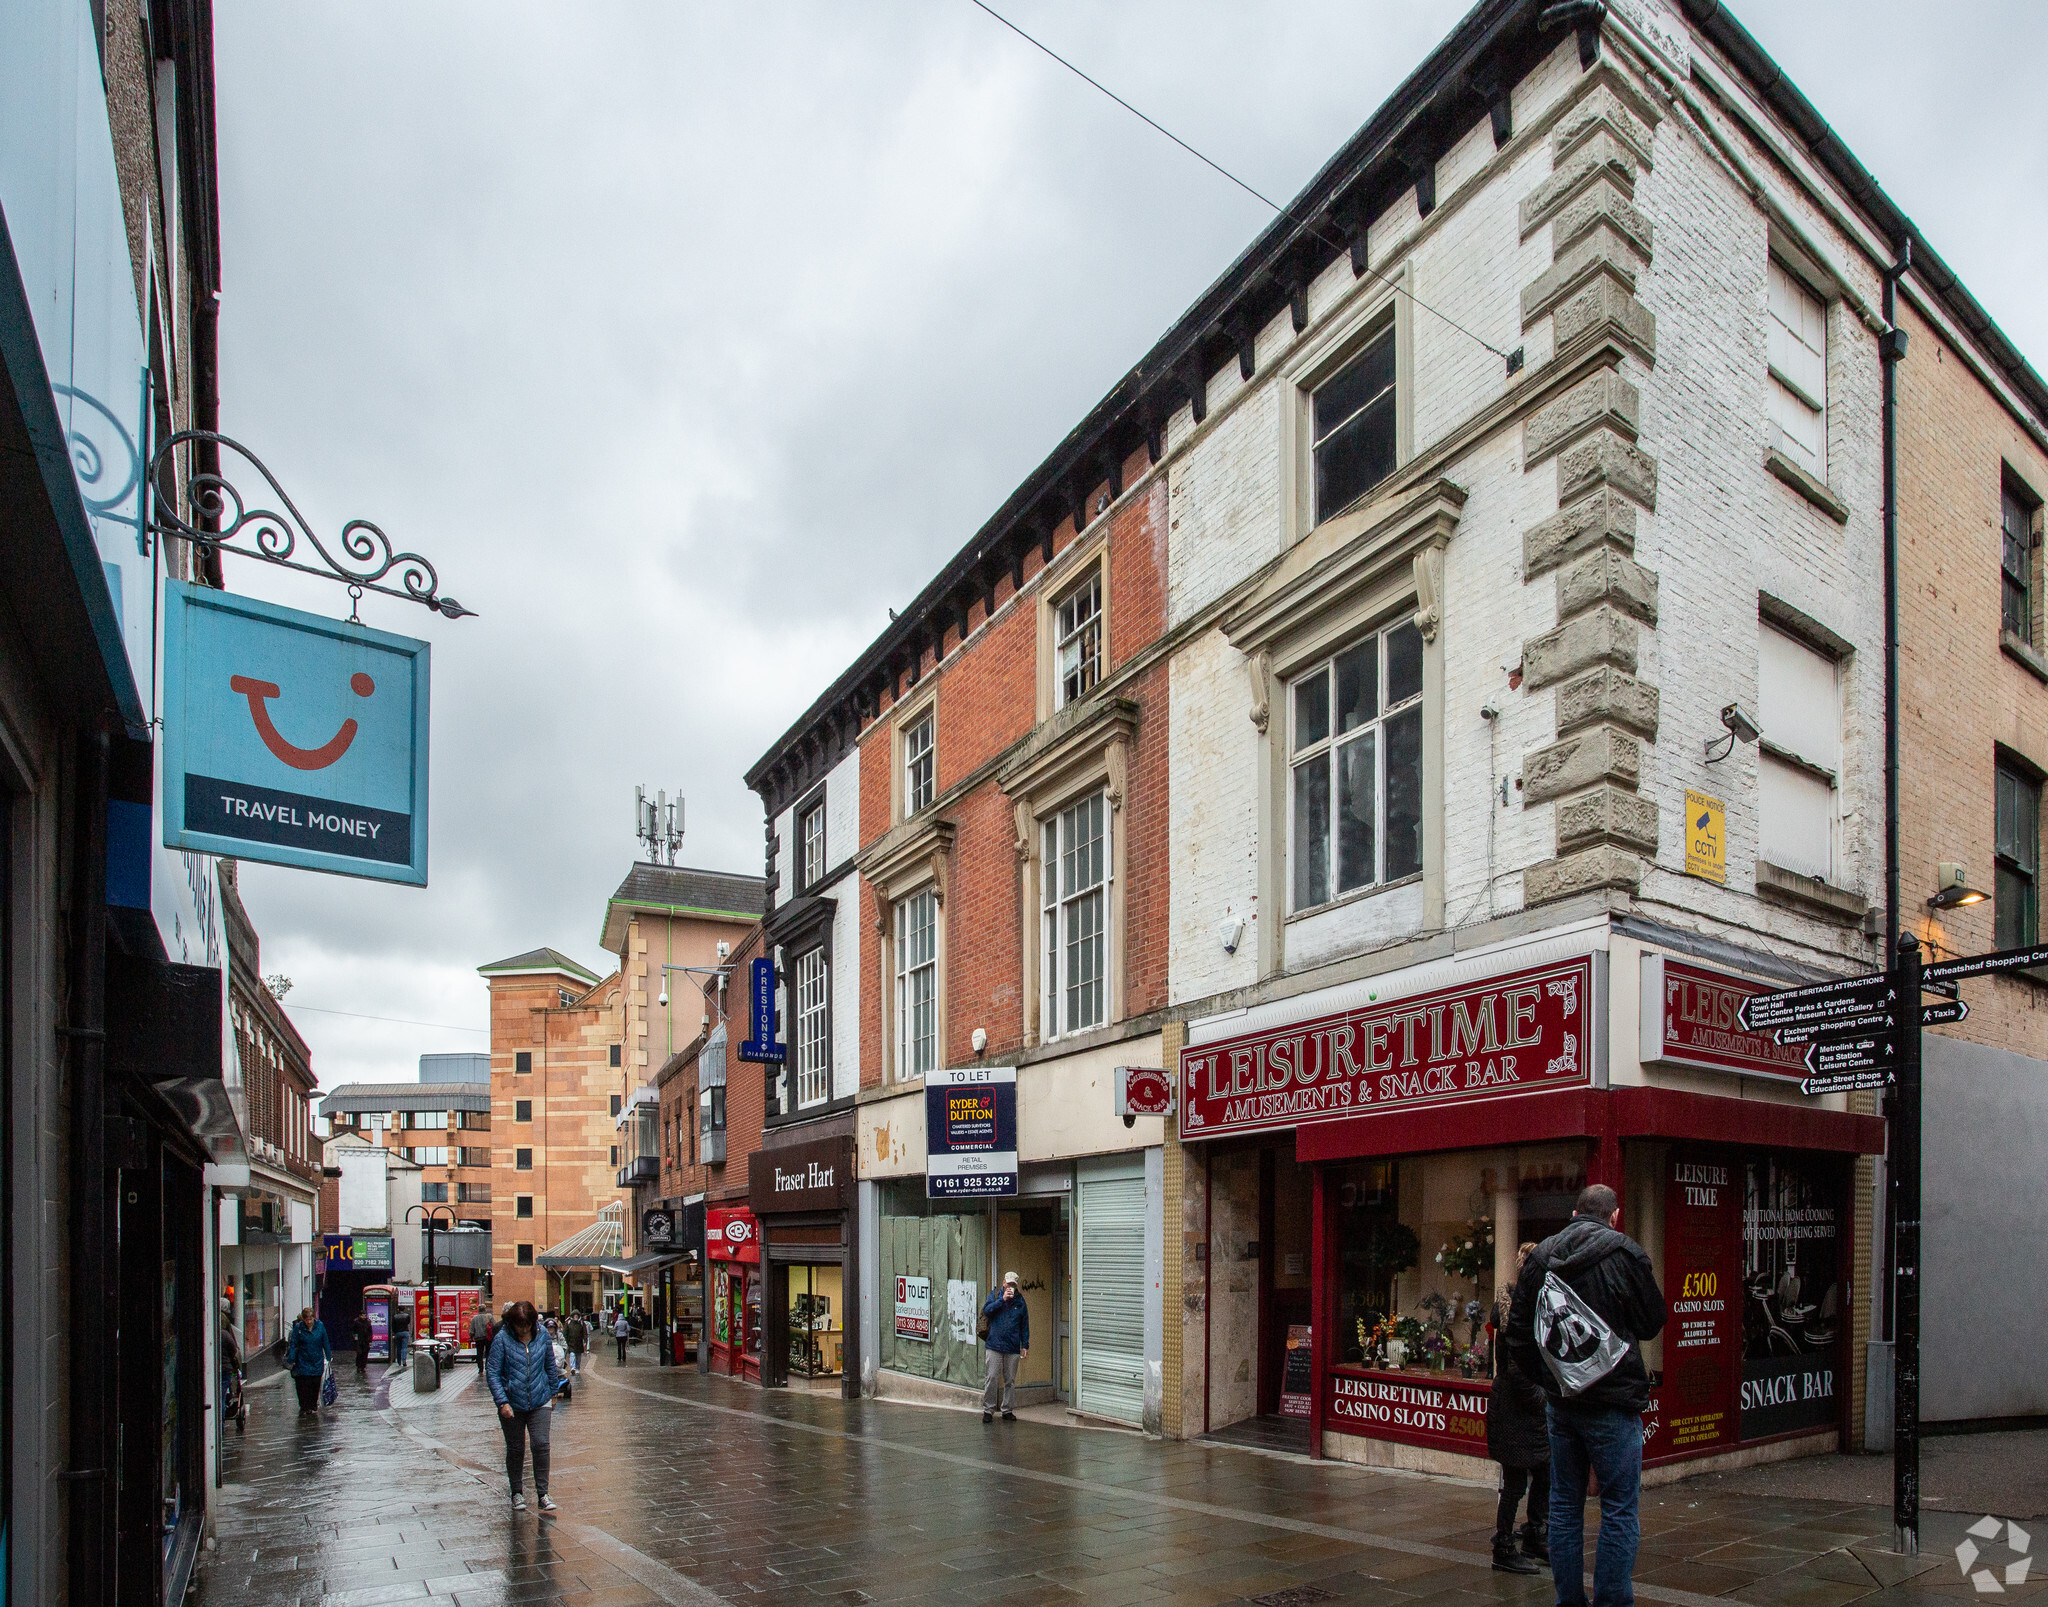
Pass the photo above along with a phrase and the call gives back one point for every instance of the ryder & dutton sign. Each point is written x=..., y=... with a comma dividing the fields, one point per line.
x=1523, y=1033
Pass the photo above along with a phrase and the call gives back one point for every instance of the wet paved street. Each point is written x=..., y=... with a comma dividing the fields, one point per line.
x=677, y=1488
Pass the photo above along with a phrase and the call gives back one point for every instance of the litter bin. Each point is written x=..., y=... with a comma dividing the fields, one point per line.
x=426, y=1371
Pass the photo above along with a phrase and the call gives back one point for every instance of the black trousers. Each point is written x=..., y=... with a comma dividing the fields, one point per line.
x=309, y=1391
x=1513, y=1481
x=622, y=1350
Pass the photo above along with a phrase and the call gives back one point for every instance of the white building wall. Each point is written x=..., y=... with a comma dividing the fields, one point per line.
x=1723, y=529
x=362, y=1196
x=850, y=895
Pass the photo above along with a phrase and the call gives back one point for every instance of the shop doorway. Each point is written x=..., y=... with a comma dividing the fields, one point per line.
x=1031, y=1241
x=814, y=1296
x=1259, y=1297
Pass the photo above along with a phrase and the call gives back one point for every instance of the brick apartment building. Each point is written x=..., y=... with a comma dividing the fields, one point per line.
x=556, y=1067
x=442, y=1122
x=1973, y=741
x=698, y=1133
x=1487, y=694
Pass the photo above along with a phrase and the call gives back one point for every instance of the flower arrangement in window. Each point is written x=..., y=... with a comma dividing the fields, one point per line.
x=1469, y=1252
x=1390, y=1340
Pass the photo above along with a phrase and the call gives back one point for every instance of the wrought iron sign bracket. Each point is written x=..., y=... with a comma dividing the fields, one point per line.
x=213, y=515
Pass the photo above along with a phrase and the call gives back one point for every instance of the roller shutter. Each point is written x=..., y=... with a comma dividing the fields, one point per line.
x=1111, y=1343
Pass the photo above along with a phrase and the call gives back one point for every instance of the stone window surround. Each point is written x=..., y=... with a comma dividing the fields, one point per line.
x=1055, y=583
x=1354, y=573
x=1315, y=359
x=1085, y=749
x=906, y=860
x=902, y=717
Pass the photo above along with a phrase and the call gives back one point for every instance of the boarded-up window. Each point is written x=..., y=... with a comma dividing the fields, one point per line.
x=1796, y=331
x=1799, y=770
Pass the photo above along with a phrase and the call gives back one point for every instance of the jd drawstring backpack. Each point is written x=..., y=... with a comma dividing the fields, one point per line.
x=1577, y=1345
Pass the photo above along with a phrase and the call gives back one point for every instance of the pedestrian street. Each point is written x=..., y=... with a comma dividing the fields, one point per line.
x=681, y=1488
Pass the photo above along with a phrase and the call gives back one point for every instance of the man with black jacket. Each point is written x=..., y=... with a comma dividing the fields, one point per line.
x=1600, y=1429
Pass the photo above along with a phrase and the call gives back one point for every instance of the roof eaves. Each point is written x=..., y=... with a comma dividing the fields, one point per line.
x=1448, y=68
x=1828, y=148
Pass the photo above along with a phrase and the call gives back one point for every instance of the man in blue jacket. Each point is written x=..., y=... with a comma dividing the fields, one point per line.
x=1008, y=1342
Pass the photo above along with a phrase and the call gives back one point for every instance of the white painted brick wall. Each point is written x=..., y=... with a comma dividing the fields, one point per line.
x=1723, y=530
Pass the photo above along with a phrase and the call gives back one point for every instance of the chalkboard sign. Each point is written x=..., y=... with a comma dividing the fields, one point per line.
x=1294, y=1376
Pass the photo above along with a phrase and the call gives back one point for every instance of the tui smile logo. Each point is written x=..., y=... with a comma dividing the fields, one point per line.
x=259, y=694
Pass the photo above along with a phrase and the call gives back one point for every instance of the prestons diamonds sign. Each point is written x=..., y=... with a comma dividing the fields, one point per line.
x=1524, y=1033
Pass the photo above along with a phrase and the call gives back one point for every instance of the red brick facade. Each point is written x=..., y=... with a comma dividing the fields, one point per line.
x=988, y=700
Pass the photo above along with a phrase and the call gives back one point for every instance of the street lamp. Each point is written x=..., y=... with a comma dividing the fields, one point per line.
x=428, y=1215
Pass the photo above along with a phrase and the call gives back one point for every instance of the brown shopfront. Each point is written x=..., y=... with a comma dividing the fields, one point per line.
x=1368, y=1171
x=802, y=1194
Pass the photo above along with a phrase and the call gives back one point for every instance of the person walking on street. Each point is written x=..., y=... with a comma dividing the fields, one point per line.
x=576, y=1332
x=622, y=1330
x=480, y=1336
x=524, y=1382
x=306, y=1355
x=359, y=1336
x=1597, y=1427
x=401, y=1328
x=230, y=1354
x=1518, y=1438
x=1008, y=1342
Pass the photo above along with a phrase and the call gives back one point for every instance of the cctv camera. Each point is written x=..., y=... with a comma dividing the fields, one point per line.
x=1490, y=712
x=661, y=998
x=1744, y=728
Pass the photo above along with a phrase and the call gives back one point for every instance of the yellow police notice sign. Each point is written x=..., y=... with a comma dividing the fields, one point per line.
x=1706, y=837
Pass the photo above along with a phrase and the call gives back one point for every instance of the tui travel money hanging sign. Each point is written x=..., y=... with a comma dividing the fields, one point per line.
x=293, y=739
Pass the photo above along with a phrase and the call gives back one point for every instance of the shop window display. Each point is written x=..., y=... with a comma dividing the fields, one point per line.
x=817, y=1322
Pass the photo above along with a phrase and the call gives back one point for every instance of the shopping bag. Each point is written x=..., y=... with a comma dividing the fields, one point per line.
x=1575, y=1342
x=329, y=1390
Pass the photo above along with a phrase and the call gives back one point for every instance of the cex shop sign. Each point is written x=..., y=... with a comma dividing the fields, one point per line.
x=732, y=1234
x=293, y=739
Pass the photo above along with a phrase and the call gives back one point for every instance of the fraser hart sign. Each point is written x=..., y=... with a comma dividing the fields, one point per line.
x=1523, y=1033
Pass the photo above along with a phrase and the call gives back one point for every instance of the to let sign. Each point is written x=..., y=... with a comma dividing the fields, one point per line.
x=293, y=739
x=1692, y=1016
x=970, y=1130
x=1523, y=1033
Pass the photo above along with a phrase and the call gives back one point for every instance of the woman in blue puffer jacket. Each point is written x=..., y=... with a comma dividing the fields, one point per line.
x=306, y=1355
x=524, y=1381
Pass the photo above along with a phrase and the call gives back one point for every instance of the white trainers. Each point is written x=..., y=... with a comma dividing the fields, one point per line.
x=519, y=1503
x=547, y=1505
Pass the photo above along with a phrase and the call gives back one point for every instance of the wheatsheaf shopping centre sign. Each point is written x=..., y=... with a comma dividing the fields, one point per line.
x=1526, y=1032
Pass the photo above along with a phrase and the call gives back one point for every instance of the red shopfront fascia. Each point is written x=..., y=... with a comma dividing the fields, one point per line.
x=732, y=1251
x=1506, y=1060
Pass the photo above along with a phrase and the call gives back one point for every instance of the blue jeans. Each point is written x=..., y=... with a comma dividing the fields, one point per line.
x=1609, y=1444
x=397, y=1349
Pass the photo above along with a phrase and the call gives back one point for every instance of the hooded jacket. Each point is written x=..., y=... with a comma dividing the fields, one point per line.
x=1611, y=1273
x=1009, y=1324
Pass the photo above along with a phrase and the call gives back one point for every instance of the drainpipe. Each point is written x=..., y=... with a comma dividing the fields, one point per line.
x=1891, y=350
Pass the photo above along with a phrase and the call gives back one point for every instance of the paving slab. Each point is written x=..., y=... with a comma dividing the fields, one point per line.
x=685, y=1490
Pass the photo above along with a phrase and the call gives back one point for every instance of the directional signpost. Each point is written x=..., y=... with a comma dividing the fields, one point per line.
x=1863, y=1032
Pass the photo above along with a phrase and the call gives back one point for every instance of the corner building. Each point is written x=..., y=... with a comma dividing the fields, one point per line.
x=1471, y=870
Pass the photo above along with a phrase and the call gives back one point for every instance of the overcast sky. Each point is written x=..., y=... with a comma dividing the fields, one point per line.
x=687, y=339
